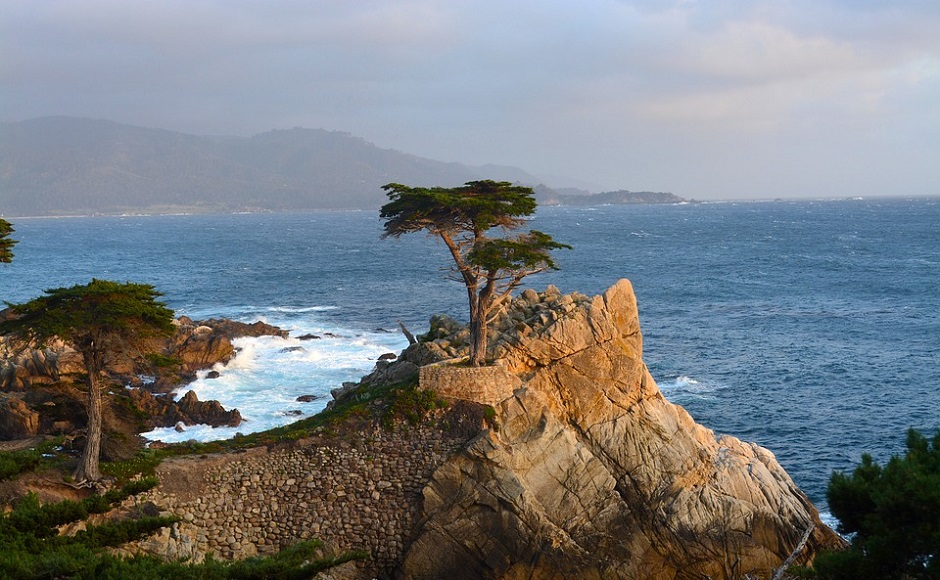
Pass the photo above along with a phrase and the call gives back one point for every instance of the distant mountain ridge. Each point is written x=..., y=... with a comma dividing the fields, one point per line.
x=68, y=165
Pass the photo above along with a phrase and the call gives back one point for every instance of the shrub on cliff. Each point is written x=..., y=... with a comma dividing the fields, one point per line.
x=893, y=514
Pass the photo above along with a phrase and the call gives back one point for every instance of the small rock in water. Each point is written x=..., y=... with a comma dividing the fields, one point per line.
x=293, y=412
x=213, y=375
x=293, y=349
x=307, y=398
x=308, y=337
x=180, y=427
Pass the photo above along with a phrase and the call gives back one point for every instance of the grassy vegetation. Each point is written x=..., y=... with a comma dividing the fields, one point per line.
x=32, y=548
x=162, y=361
x=388, y=404
x=13, y=463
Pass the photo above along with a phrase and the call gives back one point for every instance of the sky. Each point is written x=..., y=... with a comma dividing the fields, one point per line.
x=717, y=99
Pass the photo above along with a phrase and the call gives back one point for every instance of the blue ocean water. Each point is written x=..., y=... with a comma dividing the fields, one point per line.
x=811, y=328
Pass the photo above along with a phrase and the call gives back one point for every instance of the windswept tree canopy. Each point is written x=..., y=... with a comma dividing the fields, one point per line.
x=475, y=207
x=490, y=268
x=98, y=319
x=102, y=315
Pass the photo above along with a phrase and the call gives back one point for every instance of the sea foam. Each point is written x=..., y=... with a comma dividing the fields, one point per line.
x=269, y=373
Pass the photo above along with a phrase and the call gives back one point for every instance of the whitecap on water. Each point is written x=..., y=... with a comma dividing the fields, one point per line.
x=269, y=373
x=683, y=387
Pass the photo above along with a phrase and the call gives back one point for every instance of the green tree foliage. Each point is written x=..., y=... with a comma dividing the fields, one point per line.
x=490, y=268
x=892, y=514
x=99, y=320
x=6, y=244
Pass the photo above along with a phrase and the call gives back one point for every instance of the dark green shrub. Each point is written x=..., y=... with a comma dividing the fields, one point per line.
x=162, y=361
x=892, y=514
x=13, y=463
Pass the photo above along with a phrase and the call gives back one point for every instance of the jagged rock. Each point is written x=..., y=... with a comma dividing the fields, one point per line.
x=592, y=473
x=391, y=372
x=22, y=369
x=232, y=329
x=347, y=387
x=163, y=411
x=200, y=347
x=207, y=412
x=17, y=420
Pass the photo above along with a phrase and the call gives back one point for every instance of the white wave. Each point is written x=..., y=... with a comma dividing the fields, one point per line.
x=830, y=520
x=683, y=382
x=269, y=373
x=685, y=389
x=300, y=309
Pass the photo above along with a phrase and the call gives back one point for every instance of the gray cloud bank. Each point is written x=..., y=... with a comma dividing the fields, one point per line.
x=716, y=99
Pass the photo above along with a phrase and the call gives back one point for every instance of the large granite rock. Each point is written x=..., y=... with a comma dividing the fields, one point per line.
x=17, y=420
x=590, y=472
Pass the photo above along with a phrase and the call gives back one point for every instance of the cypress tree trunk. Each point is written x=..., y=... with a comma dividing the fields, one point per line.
x=88, y=464
x=477, y=340
x=477, y=329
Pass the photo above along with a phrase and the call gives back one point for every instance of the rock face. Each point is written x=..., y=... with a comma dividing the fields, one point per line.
x=572, y=466
x=163, y=411
x=17, y=420
x=193, y=347
x=590, y=472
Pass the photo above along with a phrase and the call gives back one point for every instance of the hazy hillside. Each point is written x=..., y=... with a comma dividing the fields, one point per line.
x=63, y=165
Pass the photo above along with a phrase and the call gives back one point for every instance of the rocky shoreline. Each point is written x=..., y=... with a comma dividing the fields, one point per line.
x=39, y=395
x=580, y=469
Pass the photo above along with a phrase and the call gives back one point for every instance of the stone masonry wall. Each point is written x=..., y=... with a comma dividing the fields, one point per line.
x=353, y=495
x=486, y=385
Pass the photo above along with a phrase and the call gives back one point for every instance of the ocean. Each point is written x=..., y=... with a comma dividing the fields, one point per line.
x=809, y=327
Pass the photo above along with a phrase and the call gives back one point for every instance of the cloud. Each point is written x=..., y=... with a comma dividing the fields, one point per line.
x=630, y=93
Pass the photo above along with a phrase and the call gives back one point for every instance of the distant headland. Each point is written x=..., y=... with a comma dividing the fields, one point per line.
x=62, y=166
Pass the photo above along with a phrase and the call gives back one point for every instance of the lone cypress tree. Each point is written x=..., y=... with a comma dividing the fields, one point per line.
x=490, y=268
x=98, y=319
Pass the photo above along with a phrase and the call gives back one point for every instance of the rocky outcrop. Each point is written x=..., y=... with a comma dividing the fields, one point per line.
x=163, y=411
x=17, y=420
x=22, y=369
x=232, y=329
x=48, y=375
x=573, y=465
x=590, y=472
x=196, y=346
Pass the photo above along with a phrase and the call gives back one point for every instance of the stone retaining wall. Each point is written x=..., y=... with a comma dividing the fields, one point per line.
x=353, y=495
x=486, y=385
